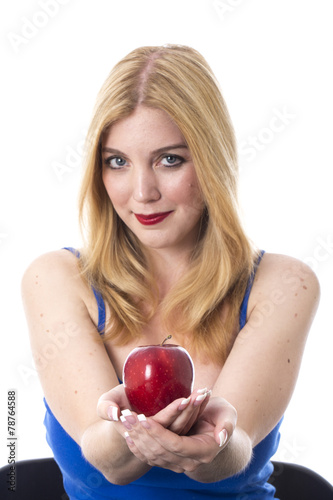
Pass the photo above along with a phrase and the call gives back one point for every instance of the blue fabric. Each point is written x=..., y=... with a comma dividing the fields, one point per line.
x=82, y=481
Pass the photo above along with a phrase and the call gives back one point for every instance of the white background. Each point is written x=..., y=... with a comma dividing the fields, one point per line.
x=272, y=58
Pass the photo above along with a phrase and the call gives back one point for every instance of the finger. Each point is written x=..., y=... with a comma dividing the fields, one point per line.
x=186, y=451
x=225, y=424
x=170, y=413
x=110, y=403
x=108, y=410
x=191, y=412
x=141, y=440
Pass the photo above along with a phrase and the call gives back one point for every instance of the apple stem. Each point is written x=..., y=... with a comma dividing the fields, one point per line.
x=168, y=338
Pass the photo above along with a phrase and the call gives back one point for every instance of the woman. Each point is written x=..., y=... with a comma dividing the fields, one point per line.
x=166, y=253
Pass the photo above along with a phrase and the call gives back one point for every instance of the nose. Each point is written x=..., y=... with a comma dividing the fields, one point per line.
x=145, y=185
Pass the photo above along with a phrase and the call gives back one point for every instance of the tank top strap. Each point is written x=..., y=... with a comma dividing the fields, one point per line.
x=243, y=308
x=98, y=297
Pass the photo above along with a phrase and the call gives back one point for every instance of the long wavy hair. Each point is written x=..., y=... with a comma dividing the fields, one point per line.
x=178, y=80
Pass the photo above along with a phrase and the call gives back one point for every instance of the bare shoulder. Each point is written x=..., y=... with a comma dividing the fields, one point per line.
x=285, y=270
x=53, y=279
x=52, y=269
x=280, y=278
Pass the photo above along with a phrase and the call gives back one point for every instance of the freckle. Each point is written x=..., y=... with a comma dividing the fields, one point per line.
x=296, y=294
x=288, y=360
x=296, y=315
x=47, y=331
x=301, y=279
x=305, y=287
x=41, y=315
x=75, y=392
x=36, y=282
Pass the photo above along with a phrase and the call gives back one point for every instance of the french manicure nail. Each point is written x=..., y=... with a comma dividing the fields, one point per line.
x=129, y=417
x=125, y=422
x=223, y=435
x=113, y=413
x=142, y=419
x=199, y=399
x=127, y=437
x=202, y=391
x=184, y=403
x=126, y=413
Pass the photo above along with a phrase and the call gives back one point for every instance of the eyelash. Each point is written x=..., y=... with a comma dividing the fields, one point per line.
x=108, y=161
x=178, y=164
x=181, y=160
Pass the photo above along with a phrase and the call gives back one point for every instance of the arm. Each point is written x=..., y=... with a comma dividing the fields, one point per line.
x=260, y=373
x=72, y=362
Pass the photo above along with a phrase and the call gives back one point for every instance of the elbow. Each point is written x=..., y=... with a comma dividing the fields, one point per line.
x=111, y=473
x=117, y=479
x=115, y=471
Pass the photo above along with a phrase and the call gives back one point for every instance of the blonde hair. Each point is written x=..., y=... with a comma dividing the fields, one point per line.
x=178, y=80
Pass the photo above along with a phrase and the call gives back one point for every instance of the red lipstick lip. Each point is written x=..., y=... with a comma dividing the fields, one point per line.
x=151, y=219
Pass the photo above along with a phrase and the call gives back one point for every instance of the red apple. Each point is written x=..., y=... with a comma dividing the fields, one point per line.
x=156, y=375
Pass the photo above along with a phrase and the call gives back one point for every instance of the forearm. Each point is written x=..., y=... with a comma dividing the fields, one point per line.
x=230, y=460
x=107, y=450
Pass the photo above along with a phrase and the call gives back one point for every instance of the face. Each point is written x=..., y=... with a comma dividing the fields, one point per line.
x=150, y=178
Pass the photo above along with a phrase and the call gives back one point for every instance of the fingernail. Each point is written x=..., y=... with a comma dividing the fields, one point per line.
x=199, y=399
x=223, y=435
x=113, y=413
x=142, y=419
x=126, y=424
x=184, y=403
x=128, y=439
x=202, y=391
x=127, y=414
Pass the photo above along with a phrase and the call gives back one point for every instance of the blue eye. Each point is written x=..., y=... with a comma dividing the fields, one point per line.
x=172, y=160
x=115, y=162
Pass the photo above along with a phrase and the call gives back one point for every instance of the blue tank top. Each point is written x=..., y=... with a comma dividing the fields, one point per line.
x=82, y=481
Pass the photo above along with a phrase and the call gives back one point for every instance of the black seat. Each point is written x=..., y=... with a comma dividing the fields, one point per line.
x=37, y=479
x=41, y=479
x=295, y=482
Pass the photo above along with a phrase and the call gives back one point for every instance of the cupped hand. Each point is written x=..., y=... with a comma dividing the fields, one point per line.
x=155, y=445
x=160, y=440
x=218, y=419
x=179, y=416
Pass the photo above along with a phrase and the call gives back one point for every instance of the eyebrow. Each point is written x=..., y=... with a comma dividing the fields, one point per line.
x=156, y=151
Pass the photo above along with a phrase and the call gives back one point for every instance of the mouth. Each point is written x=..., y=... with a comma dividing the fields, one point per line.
x=150, y=220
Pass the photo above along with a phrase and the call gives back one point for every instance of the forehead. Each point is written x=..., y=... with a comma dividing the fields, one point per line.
x=145, y=125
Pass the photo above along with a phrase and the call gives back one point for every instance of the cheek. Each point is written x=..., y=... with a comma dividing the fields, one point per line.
x=116, y=191
x=186, y=191
x=196, y=197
